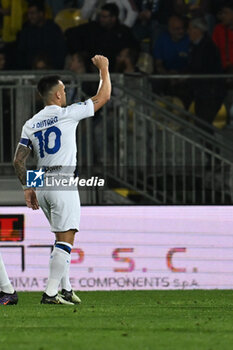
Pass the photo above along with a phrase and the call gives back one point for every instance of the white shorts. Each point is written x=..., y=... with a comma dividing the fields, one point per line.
x=62, y=209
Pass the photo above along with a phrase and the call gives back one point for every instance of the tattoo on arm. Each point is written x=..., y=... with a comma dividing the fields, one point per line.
x=21, y=155
x=95, y=100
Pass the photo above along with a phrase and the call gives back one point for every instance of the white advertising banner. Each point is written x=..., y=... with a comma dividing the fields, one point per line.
x=127, y=247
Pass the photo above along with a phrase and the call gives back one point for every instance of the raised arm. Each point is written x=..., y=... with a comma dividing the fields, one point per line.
x=21, y=155
x=104, y=90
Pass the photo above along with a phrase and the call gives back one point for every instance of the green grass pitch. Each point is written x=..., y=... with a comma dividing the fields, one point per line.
x=137, y=320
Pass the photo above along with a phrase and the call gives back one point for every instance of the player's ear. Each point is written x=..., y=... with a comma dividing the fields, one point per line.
x=58, y=95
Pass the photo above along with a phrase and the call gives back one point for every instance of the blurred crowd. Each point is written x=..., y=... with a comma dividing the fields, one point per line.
x=151, y=36
x=144, y=36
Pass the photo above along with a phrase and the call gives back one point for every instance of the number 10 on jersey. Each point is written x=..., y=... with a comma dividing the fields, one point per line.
x=43, y=138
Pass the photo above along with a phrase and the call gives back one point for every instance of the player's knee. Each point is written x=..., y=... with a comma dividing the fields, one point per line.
x=67, y=236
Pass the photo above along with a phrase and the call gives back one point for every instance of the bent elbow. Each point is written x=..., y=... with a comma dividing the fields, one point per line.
x=108, y=97
x=105, y=99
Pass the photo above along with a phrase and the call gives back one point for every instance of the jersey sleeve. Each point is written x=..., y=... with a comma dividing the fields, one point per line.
x=24, y=139
x=80, y=110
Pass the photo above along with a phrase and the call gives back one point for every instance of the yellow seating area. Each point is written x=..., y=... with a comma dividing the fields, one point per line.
x=124, y=192
x=69, y=18
x=220, y=120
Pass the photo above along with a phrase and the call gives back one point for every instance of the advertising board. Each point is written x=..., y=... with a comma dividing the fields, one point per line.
x=125, y=247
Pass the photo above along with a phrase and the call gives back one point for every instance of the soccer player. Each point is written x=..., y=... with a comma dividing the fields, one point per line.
x=55, y=147
x=8, y=295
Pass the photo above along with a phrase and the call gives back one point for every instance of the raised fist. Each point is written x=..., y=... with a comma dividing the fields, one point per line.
x=100, y=61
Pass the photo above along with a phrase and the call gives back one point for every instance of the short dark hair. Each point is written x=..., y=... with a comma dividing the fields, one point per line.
x=38, y=4
x=46, y=84
x=112, y=8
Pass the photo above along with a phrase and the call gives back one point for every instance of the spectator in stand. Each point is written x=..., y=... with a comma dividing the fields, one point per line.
x=40, y=36
x=204, y=58
x=126, y=61
x=106, y=36
x=41, y=62
x=152, y=19
x=78, y=64
x=127, y=14
x=172, y=48
x=195, y=8
x=223, y=36
x=13, y=12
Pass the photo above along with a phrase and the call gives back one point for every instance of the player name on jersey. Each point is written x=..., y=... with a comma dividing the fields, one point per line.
x=46, y=122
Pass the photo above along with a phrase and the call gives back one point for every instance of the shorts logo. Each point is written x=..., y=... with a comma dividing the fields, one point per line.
x=35, y=178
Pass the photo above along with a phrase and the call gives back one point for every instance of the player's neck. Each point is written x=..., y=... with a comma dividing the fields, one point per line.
x=53, y=103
